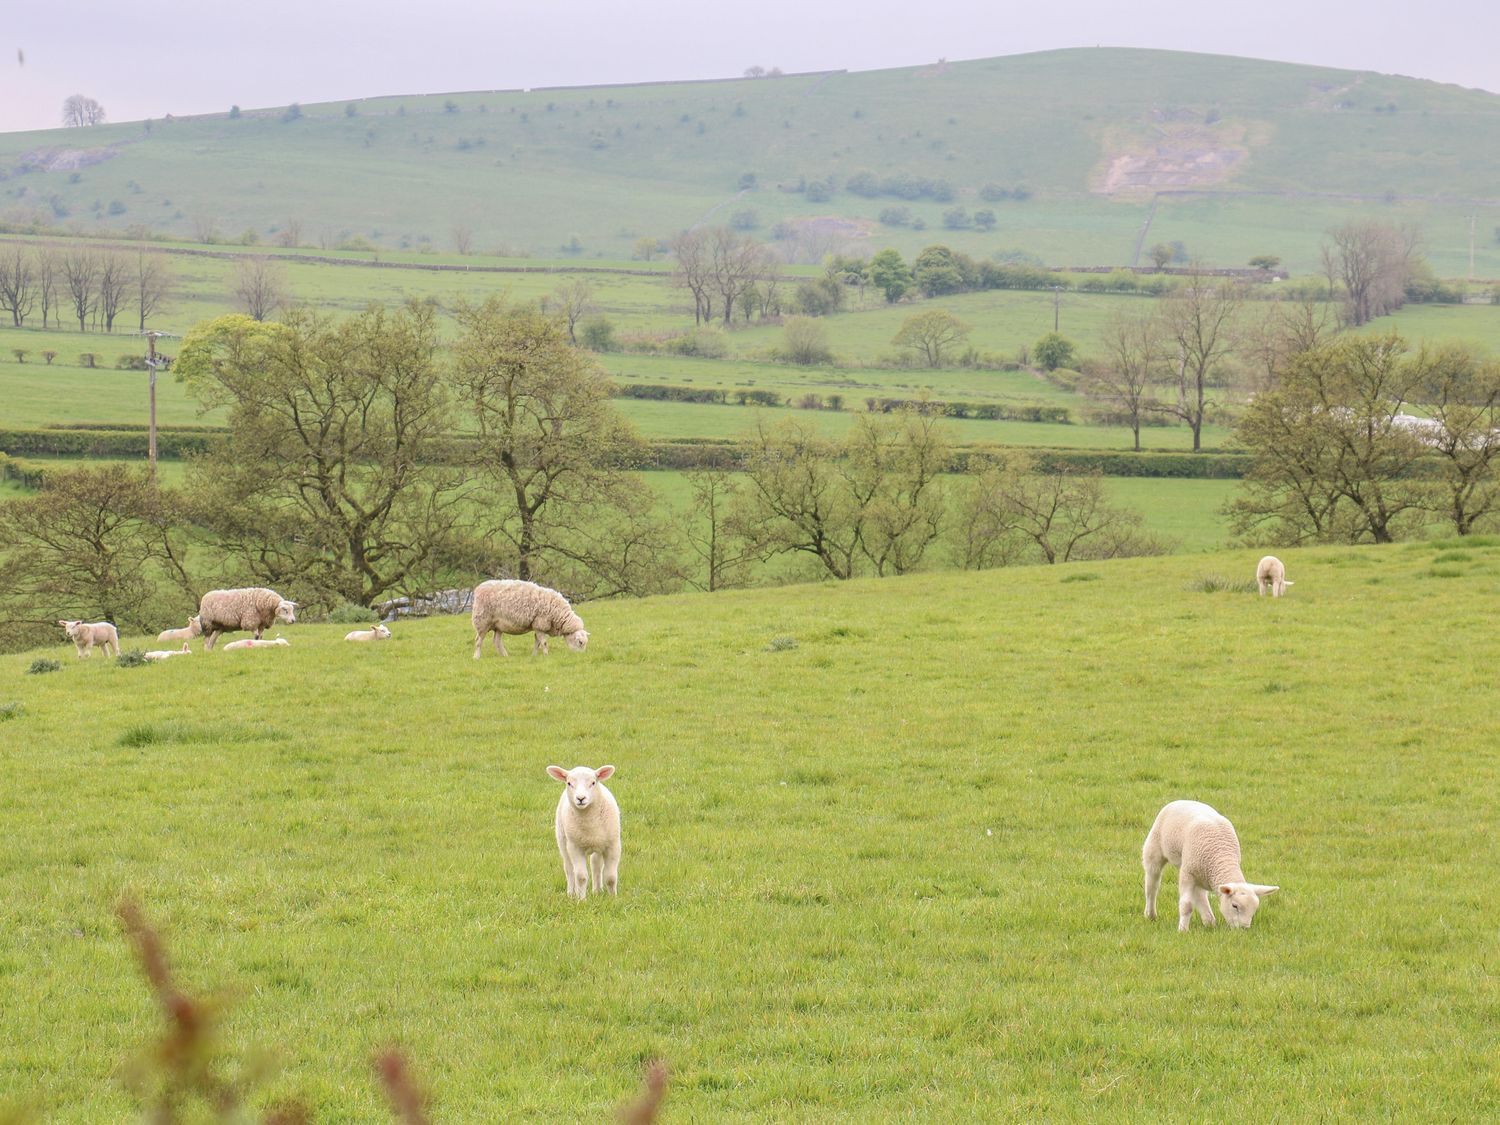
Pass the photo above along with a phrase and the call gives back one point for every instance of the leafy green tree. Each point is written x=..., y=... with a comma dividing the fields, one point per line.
x=1053, y=351
x=937, y=271
x=1161, y=255
x=931, y=335
x=984, y=219
x=1265, y=261
x=1460, y=392
x=890, y=274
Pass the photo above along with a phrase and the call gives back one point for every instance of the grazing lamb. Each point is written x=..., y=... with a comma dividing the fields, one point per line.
x=1270, y=571
x=508, y=605
x=167, y=654
x=85, y=636
x=588, y=829
x=194, y=629
x=253, y=607
x=256, y=642
x=1207, y=853
x=378, y=633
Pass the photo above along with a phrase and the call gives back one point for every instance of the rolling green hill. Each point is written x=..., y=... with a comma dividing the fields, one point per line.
x=1230, y=157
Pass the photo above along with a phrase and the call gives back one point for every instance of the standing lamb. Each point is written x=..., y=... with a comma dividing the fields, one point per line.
x=194, y=629
x=378, y=633
x=167, y=654
x=1207, y=853
x=253, y=607
x=85, y=636
x=508, y=605
x=1270, y=571
x=256, y=642
x=588, y=829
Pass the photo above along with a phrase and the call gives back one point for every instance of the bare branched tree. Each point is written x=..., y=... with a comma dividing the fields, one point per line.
x=463, y=238
x=79, y=110
x=115, y=280
x=17, y=282
x=1199, y=320
x=80, y=272
x=694, y=271
x=574, y=299
x=1134, y=347
x=260, y=286
x=1373, y=261
x=48, y=270
x=153, y=279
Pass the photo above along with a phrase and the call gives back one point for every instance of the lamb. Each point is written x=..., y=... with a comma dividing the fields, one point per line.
x=508, y=605
x=378, y=633
x=194, y=629
x=256, y=642
x=85, y=636
x=1270, y=571
x=1207, y=853
x=254, y=607
x=588, y=829
x=167, y=654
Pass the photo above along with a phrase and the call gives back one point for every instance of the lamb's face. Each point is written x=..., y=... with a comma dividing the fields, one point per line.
x=195, y=626
x=287, y=611
x=578, y=641
x=1238, y=902
x=71, y=628
x=382, y=632
x=581, y=783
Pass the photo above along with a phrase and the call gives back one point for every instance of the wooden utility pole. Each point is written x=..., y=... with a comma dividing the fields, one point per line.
x=1056, y=301
x=1471, y=247
x=152, y=363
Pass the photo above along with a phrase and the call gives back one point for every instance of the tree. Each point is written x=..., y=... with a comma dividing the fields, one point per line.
x=805, y=341
x=1199, y=320
x=694, y=271
x=929, y=335
x=1053, y=351
x=1284, y=330
x=1331, y=459
x=153, y=280
x=1133, y=354
x=113, y=283
x=717, y=533
x=573, y=299
x=890, y=274
x=735, y=264
x=48, y=270
x=1461, y=393
x=1267, y=262
x=290, y=234
x=17, y=282
x=1161, y=254
x=259, y=285
x=80, y=270
x=937, y=271
x=463, y=238
x=1373, y=261
x=645, y=248
x=79, y=111
x=336, y=478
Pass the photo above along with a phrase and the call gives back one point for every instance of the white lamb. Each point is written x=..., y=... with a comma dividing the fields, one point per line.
x=256, y=642
x=378, y=633
x=1270, y=571
x=1207, y=853
x=509, y=605
x=194, y=629
x=85, y=636
x=167, y=654
x=588, y=829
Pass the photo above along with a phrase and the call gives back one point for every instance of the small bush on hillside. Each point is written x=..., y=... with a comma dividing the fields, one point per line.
x=351, y=614
x=1218, y=584
x=805, y=341
x=706, y=343
x=597, y=333
x=10, y=711
x=38, y=667
x=134, y=658
x=782, y=644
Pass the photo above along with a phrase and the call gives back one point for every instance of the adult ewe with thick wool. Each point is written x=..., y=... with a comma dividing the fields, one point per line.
x=1206, y=851
x=85, y=636
x=510, y=605
x=246, y=608
x=588, y=829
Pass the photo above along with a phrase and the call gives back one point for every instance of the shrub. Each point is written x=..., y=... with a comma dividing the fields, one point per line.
x=350, y=614
x=706, y=343
x=134, y=658
x=87, y=359
x=598, y=334
x=38, y=667
x=748, y=219
x=10, y=711
x=895, y=216
x=1053, y=351
x=782, y=644
x=805, y=341
x=293, y=112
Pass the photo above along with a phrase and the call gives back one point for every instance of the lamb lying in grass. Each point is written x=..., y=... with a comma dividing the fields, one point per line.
x=167, y=654
x=1207, y=853
x=194, y=629
x=256, y=642
x=1270, y=571
x=588, y=829
x=508, y=605
x=378, y=633
x=85, y=636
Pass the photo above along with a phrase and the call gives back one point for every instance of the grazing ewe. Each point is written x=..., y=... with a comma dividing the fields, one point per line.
x=588, y=829
x=1207, y=853
x=85, y=636
x=194, y=629
x=1270, y=571
x=253, y=607
x=508, y=605
x=167, y=654
x=256, y=642
x=378, y=633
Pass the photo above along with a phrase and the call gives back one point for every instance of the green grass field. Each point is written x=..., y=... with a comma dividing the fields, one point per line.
x=891, y=873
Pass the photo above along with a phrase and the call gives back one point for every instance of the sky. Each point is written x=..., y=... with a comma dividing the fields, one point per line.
x=148, y=58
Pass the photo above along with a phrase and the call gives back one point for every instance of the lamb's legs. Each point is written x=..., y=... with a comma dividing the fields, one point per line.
x=596, y=869
x=1185, y=888
x=612, y=870
x=575, y=865
x=1205, y=911
x=1153, y=865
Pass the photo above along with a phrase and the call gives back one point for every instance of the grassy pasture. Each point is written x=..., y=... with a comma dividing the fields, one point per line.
x=889, y=873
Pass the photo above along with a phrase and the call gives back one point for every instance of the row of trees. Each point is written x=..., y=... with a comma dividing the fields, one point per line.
x=91, y=285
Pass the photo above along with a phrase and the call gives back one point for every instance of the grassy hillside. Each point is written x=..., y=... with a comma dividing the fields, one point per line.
x=1094, y=135
x=890, y=872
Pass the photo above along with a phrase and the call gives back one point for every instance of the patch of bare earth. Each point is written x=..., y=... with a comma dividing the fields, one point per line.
x=1174, y=157
x=64, y=159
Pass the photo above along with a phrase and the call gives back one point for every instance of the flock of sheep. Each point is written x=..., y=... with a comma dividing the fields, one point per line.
x=1188, y=835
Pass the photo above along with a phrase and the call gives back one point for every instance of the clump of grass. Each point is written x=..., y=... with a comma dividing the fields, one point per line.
x=1086, y=576
x=1453, y=556
x=134, y=658
x=158, y=734
x=1445, y=572
x=782, y=644
x=39, y=666
x=11, y=711
x=1218, y=584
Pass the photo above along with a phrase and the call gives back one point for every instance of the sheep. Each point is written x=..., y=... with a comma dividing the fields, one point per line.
x=1207, y=853
x=508, y=605
x=588, y=829
x=85, y=636
x=254, y=607
x=167, y=654
x=256, y=642
x=378, y=633
x=1270, y=571
x=194, y=629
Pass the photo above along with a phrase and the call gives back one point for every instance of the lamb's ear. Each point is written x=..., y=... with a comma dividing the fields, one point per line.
x=1226, y=888
x=604, y=771
x=558, y=772
x=1264, y=891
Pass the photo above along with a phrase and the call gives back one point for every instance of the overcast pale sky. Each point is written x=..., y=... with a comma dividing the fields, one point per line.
x=147, y=58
